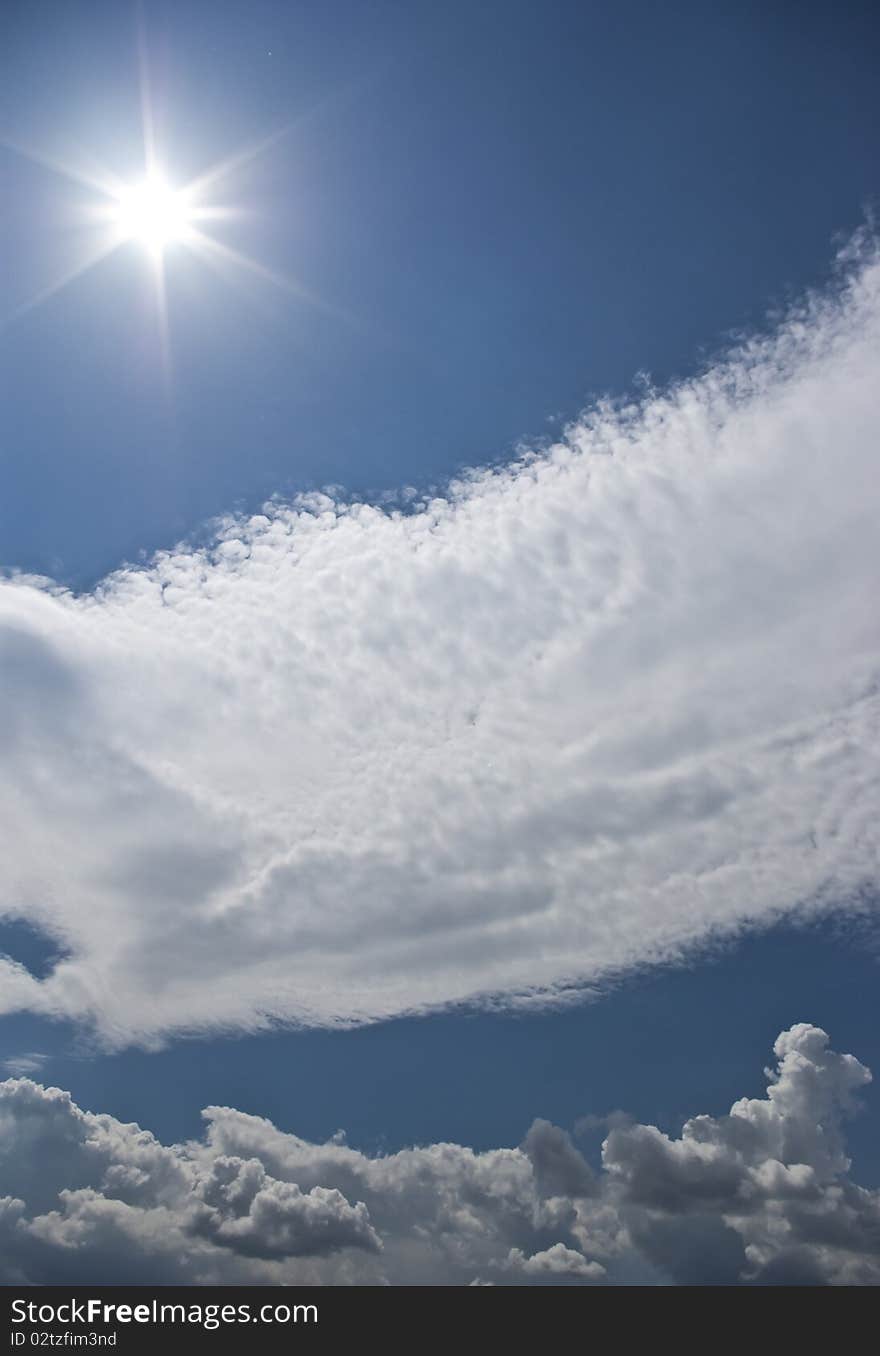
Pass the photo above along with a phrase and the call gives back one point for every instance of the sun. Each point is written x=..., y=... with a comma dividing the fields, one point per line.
x=152, y=213
x=158, y=214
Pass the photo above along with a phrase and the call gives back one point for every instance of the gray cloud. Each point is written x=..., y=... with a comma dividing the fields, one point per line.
x=773, y=1172
x=760, y=1196
x=260, y=1217
x=576, y=715
x=558, y=1167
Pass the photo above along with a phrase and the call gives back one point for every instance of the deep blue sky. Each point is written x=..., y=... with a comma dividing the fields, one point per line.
x=505, y=208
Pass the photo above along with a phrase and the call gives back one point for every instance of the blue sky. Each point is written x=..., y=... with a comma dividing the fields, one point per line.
x=517, y=208
x=480, y=1079
x=560, y=779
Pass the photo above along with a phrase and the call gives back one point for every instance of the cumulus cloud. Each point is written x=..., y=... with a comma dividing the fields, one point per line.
x=576, y=715
x=768, y=1181
x=555, y=1262
x=260, y=1217
x=761, y=1196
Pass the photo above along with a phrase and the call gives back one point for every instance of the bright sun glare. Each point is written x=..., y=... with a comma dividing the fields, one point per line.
x=152, y=213
x=157, y=215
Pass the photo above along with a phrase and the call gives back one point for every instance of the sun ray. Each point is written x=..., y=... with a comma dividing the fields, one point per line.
x=201, y=241
x=163, y=326
x=208, y=245
x=103, y=251
x=105, y=183
x=244, y=156
x=148, y=131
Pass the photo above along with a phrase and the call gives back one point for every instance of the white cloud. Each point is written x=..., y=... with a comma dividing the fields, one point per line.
x=28, y=1063
x=579, y=715
x=555, y=1263
x=759, y=1196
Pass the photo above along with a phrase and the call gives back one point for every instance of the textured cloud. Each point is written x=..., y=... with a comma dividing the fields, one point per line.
x=761, y=1196
x=577, y=715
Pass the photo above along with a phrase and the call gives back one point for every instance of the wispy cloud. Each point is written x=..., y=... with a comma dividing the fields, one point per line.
x=760, y=1196
x=20, y=1066
x=574, y=716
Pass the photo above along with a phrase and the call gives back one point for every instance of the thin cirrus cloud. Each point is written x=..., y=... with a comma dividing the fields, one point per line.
x=576, y=715
x=760, y=1196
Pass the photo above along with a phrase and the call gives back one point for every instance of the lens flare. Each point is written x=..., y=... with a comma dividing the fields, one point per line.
x=152, y=213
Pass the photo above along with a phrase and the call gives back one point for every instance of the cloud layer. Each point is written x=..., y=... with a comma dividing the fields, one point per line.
x=577, y=715
x=761, y=1196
